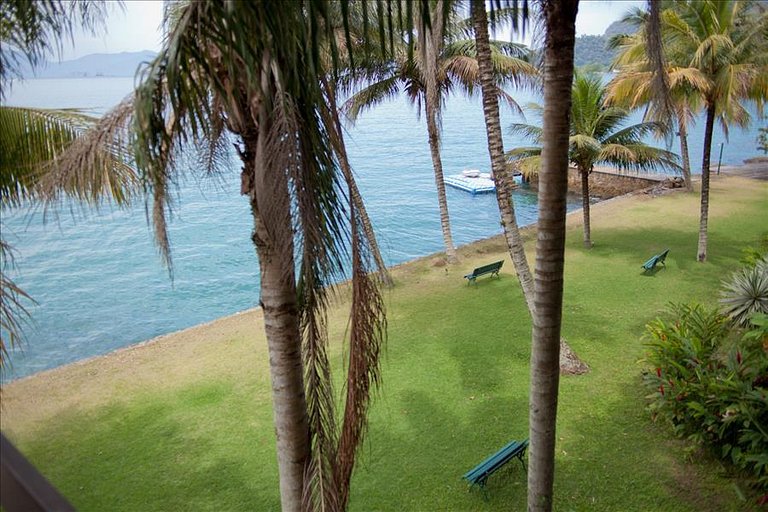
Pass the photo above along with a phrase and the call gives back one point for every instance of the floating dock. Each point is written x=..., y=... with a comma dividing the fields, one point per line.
x=480, y=183
x=475, y=182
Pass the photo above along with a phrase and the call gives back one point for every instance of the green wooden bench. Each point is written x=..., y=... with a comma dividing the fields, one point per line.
x=480, y=473
x=492, y=268
x=655, y=260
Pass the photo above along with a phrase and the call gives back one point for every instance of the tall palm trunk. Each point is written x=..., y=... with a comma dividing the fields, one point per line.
x=585, y=206
x=708, y=128
x=684, y=153
x=437, y=164
x=267, y=189
x=431, y=42
x=559, y=20
x=501, y=173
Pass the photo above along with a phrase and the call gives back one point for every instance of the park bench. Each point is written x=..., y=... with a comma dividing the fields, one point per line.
x=655, y=260
x=492, y=268
x=480, y=473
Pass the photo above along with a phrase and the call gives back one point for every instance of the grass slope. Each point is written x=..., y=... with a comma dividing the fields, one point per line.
x=186, y=423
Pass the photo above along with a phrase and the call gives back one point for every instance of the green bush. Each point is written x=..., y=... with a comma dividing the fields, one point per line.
x=711, y=384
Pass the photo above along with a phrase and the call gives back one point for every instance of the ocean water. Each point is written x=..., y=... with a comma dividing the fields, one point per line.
x=97, y=277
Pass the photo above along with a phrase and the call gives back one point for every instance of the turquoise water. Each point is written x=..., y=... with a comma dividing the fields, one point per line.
x=97, y=277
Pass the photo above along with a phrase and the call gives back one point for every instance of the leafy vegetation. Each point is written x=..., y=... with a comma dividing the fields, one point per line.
x=712, y=390
x=746, y=293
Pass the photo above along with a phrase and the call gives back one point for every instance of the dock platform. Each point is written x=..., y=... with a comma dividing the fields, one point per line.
x=480, y=184
x=474, y=185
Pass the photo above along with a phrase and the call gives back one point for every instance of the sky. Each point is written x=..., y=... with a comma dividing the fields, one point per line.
x=137, y=26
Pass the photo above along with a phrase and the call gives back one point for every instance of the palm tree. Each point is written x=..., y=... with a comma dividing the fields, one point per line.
x=633, y=86
x=559, y=19
x=248, y=73
x=443, y=63
x=501, y=173
x=724, y=44
x=596, y=138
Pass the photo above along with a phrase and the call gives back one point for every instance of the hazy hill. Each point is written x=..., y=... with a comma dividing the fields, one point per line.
x=592, y=51
x=95, y=64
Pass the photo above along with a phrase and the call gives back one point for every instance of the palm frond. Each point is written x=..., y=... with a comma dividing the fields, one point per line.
x=637, y=157
x=13, y=307
x=528, y=131
x=371, y=96
x=583, y=145
x=526, y=160
x=633, y=134
x=36, y=148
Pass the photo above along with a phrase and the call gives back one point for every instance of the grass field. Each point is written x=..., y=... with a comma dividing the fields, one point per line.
x=185, y=423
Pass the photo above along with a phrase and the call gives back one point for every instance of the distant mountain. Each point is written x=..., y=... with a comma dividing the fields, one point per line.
x=593, y=52
x=93, y=65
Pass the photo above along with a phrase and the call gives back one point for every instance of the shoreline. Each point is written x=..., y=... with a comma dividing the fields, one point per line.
x=746, y=170
x=205, y=352
x=526, y=232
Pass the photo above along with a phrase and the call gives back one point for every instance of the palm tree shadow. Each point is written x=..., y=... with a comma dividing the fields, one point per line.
x=155, y=456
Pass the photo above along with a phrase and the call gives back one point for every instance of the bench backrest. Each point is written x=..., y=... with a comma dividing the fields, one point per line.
x=663, y=256
x=491, y=267
x=495, y=461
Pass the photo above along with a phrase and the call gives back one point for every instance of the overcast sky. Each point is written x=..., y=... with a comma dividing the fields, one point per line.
x=137, y=27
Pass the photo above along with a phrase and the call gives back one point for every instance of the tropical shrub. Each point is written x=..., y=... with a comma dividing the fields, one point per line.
x=710, y=383
x=746, y=293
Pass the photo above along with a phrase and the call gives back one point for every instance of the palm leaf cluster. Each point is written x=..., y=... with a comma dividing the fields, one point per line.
x=597, y=137
x=457, y=71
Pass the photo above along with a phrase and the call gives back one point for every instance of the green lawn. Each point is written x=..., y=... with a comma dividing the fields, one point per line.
x=190, y=427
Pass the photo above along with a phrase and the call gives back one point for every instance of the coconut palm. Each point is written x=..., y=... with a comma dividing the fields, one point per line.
x=724, y=43
x=443, y=63
x=596, y=137
x=501, y=173
x=559, y=20
x=633, y=87
x=253, y=75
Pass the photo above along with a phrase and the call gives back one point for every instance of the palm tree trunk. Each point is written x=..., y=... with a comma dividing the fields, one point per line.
x=585, y=206
x=560, y=21
x=502, y=176
x=702, y=251
x=273, y=237
x=684, y=153
x=431, y=42
x=437, y=164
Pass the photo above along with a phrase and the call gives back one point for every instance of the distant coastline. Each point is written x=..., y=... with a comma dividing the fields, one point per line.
x=95, y=65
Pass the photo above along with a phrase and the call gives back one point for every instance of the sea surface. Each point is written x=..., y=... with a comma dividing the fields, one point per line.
x=97, y=278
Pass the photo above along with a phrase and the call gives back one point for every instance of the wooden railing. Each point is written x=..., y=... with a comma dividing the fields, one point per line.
x=23, y=488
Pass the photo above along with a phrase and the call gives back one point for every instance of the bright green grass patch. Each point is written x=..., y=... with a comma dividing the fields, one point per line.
x=456, y=372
